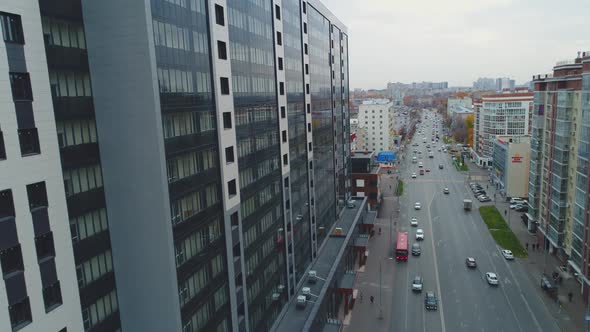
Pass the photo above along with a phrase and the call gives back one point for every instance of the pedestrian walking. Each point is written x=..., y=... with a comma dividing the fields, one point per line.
x=361, y=297
x=570, y=295
x=372, y=299
x=505, y=212
x=527, y=246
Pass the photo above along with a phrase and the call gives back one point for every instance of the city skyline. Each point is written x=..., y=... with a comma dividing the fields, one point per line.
x=462, y=55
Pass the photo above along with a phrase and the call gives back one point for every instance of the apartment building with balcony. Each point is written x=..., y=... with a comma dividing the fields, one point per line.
x=505, y=113
x=223, y=162
x=39, y=291
x=558, y=181
x=377, y=117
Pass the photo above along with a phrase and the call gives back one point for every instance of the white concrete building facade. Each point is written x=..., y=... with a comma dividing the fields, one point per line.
x=377, y=118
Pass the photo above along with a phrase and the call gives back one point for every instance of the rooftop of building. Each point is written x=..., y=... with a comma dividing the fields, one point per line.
x=376, y=101
x=509, y=139
x=362, y=154
x=461, y=109
x=296, y=319
x=522, y=92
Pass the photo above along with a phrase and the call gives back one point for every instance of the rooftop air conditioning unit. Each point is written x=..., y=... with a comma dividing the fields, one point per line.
x=301, y=301
x=306, y=291
x=312, y=277
x=276, y=296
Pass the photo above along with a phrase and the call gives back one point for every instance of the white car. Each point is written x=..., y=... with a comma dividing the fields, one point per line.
x=517, y=201
x=417, y=206
x=492, y=278
x=414, y=222
x=507, y=254
x=446, y=190
x=414, y=175
x=419, y=234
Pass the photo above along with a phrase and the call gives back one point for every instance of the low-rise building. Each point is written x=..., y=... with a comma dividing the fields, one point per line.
x=511, y=165
x=365, y=177
x=456, y=102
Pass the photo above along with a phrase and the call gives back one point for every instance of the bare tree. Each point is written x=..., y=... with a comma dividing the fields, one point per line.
x=459, y=130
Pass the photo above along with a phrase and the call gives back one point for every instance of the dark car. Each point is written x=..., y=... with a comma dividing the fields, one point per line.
x=430, y=301
x=416, y=250
x=440, y=166
x=470, y=262
x=521, y=208
x=479, y=193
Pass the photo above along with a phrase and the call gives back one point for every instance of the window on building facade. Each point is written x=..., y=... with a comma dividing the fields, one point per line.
x=12, y=29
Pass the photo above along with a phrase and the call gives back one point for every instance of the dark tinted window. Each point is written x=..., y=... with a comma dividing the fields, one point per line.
x=12, y=29
x=21, y=86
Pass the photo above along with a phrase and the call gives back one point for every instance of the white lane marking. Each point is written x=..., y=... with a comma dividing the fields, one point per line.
x=440, y=304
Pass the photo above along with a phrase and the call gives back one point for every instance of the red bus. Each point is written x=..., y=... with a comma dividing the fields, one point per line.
x=401, y=248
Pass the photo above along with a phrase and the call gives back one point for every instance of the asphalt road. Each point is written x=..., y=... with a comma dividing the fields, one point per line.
x=466, y=301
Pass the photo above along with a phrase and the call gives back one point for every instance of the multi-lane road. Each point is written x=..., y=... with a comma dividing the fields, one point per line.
x=466, y=301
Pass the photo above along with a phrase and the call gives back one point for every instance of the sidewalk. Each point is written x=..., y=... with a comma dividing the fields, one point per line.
x=570, y=317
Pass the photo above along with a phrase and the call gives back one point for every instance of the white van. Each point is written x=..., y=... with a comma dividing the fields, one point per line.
x=414, y=160
x=420, y=164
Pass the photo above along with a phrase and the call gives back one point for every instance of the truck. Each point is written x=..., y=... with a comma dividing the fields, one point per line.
x=467, y=204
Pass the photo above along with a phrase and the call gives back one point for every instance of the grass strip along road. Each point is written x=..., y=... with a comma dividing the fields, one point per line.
x=500, y=231
x=400, y=188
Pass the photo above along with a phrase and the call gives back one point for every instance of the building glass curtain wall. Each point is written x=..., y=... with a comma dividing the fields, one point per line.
x=297, y=135
x=255, y=104
x=71, y=90
x=190, y=140
x=339, y=117
x=323, y=130
x=582, y=171
x=535, y=169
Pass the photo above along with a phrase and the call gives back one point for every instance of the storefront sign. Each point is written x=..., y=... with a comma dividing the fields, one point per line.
x=517, y=158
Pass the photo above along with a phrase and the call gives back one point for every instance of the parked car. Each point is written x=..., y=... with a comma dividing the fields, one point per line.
x=507, y=254
x=446, y=191
x=517, y=201
x=440, y=166
x=521, y=208
x=414, y=175
x=484, y=198
x=430, y=301
x=492, y=278
x=470, y=262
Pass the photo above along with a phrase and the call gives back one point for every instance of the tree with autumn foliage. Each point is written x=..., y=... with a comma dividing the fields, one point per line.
x=469, y=124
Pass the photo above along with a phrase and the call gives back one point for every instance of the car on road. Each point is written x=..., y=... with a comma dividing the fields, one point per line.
x=446, y=191
x=484, y=198
x=470, y=262
x=440, y=166
x=417, y=206
x=513, y=206
x=492, y=278
x=420, y=165
x=419, y=234
x=414, y=175
x=430, y=301
x=417, y=284
x=416, y=250
x=480, y=192
x=507, y=254
x=521, y=208
x=428, y=170
x=414, y=222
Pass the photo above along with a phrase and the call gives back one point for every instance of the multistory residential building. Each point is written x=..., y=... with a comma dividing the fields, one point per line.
x=558, y=181
x=510, y=172
x=505, y=113
x=39, y=291
x=377, y=117
x=223, y=164
x=477, y=125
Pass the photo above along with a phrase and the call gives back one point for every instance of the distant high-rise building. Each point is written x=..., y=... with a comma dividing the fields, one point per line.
x=504, y=83
x=484, y=83
x=559, y=173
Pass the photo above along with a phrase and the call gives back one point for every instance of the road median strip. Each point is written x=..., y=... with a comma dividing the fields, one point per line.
x=500, y=231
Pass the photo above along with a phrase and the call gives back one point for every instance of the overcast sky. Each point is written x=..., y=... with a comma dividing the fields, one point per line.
x=459, y=40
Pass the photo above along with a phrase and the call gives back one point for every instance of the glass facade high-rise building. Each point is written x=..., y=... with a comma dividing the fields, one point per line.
x=204, y=156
